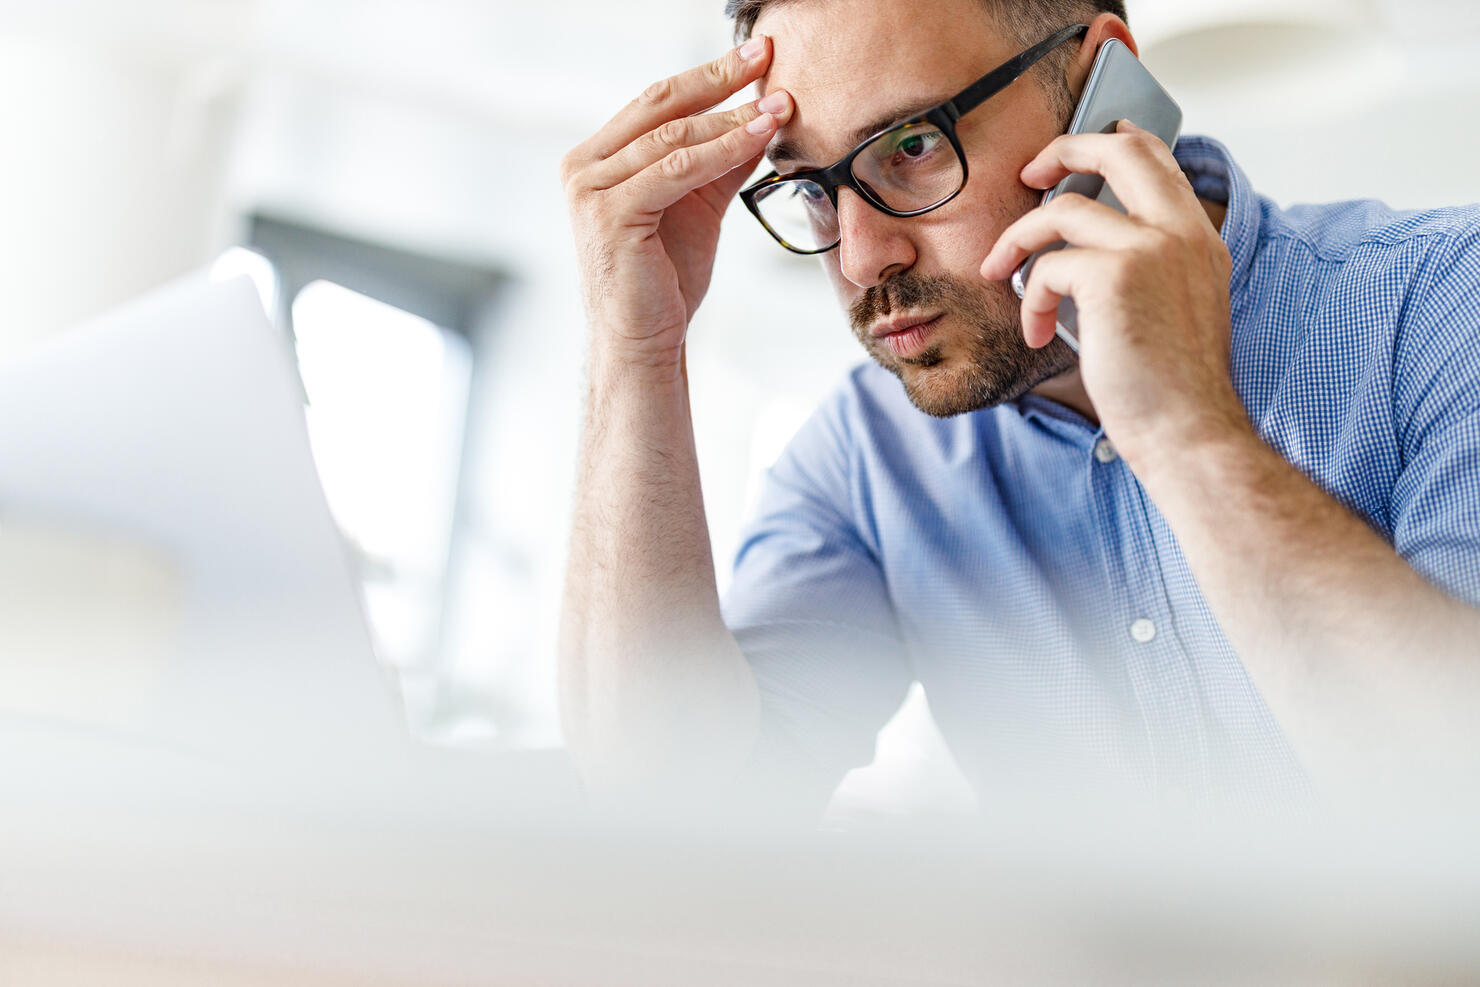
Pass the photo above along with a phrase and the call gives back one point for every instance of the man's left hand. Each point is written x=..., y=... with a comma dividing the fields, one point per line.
x=1151, y=286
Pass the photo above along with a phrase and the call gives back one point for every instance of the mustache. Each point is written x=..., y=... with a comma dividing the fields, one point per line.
x=902, y=292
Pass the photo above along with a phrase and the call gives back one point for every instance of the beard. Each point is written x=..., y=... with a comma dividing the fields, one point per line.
x=978, y=358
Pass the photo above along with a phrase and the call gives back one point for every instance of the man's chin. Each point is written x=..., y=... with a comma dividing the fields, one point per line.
x=948, y=386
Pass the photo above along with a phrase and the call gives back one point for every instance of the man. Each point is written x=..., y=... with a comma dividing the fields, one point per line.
x=1232, y=548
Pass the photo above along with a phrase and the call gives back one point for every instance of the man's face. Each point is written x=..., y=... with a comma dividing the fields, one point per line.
x=848, y=65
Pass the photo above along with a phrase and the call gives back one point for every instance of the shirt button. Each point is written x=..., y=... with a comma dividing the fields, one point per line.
x=1143, y=630
x=1105, y=451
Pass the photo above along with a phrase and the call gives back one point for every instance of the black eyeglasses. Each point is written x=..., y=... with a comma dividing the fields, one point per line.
x=906, y=170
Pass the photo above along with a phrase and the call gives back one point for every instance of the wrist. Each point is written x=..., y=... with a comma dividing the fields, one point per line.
x=1191, y=449
x=626, y=391
x=619, y=362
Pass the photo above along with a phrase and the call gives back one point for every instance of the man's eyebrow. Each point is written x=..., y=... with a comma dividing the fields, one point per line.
x=789, y=150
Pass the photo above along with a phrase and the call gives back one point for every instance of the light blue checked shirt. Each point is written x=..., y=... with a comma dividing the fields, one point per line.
x=1013, y=565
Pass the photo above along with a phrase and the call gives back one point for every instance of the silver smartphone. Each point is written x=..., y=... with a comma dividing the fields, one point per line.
x=1119, y=88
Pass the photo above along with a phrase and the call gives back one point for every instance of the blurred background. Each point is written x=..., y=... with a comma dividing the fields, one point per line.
x=386, y=172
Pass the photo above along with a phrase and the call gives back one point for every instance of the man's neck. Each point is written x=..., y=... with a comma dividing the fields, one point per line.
x=1068, y=387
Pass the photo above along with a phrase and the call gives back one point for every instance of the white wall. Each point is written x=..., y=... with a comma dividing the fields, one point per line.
x=111, y=175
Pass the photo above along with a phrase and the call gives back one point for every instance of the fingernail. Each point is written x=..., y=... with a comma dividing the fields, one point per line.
x=761, y=124
x=773, y=103
x=752, y=49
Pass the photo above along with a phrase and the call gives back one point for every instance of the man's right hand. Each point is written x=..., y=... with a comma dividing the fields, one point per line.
x=647, y=193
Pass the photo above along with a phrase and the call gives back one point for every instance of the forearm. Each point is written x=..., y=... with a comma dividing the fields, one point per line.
x=1341, y=635
x=654, y=689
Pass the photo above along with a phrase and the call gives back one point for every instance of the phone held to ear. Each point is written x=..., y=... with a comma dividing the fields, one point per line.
x=1119, y=88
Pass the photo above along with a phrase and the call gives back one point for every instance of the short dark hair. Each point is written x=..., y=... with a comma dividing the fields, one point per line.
x=1029, y=21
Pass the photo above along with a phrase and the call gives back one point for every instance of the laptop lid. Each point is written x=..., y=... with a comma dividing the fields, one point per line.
x=169, y=569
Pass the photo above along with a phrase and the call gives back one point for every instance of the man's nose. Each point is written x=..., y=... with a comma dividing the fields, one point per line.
x=874, y=246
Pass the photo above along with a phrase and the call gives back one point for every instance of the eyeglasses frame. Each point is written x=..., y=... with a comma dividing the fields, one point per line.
x=943, y=116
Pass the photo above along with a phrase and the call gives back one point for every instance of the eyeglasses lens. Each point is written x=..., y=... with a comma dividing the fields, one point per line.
x=909, y=168
x=800, y=213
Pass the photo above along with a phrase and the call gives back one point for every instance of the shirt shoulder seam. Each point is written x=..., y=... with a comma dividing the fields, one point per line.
x=1379, y=237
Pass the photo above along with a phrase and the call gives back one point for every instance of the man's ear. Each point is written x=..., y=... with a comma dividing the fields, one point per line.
x=1101, y=30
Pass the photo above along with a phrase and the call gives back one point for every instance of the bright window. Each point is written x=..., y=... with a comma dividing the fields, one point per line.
x=387, y=395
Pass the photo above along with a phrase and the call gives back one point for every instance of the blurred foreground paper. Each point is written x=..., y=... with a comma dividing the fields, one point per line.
x=87, y=621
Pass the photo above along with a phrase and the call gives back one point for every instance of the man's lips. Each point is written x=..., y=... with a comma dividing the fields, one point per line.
x=900, y=324
x=905, y=336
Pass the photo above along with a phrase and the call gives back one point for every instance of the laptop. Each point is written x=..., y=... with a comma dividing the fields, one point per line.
x=174, y=594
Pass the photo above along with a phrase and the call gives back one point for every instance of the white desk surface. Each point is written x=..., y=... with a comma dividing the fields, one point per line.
x=145, y=867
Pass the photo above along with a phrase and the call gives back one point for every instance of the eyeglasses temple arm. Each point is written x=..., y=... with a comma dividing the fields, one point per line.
x=1008, y=72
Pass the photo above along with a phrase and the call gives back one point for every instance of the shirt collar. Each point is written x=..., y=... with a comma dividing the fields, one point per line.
x=1056, y=419
x=1214, y=175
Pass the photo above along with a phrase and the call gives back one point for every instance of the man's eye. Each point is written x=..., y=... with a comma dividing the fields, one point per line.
x=919, y=144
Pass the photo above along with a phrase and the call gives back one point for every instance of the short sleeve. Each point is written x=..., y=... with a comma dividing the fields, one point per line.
x=809, y=607
x=1436, y=500
x=1437, y=508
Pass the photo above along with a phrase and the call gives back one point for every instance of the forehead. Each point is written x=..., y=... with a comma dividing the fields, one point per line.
x=847, y=63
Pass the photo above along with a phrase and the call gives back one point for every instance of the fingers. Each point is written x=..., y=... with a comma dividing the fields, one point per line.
x=1056, y=276
x=1070, y=218
x=685, y=169
x=1138, y=166
x=677, y=96
x=683, y=132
